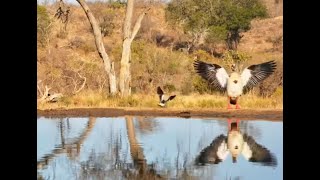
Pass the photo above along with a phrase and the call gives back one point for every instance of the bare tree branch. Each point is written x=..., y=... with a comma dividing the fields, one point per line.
x=45, y=93
x=82, y=86
x=138, y=24
x=108, y=64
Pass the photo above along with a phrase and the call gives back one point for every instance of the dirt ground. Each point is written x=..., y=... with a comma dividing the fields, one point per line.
x=243, y=114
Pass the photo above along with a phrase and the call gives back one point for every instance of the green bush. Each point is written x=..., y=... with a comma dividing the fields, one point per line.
x=43, y=26
x=200, y=85
x=220, y=17
x=235, y=57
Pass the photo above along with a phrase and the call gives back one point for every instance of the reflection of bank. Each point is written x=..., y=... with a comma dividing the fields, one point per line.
x=235, y=143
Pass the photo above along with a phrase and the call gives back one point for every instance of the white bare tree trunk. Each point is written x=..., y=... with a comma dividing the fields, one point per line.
x=108, y=65
x=125, y=74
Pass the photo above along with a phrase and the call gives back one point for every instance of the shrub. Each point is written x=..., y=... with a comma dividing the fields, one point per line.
x=43, y=26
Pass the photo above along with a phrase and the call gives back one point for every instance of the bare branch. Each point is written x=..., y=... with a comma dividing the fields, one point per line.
x=82, y=86
x=102, y=85
x=74, y=82
x=138, y=24
x=38, y=87
x=45, y=94
x=108, y=64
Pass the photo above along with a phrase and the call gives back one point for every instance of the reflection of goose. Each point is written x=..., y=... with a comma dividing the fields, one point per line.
x=163, y=101
x=235, y=143
x=236, y=84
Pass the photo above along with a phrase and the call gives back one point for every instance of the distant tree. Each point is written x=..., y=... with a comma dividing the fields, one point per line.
x=44, y=24
x=217, y=20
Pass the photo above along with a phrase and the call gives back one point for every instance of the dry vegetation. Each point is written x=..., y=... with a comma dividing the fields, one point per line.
x=69, y=64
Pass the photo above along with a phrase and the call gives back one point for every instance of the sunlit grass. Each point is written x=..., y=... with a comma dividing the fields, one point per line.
x=193, y=101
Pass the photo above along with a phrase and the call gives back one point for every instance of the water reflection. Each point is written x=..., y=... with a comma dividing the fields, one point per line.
x=235, y=143
x=156, y=148
x=72, y=147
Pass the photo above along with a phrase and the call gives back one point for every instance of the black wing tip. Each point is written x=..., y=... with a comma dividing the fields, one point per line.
x=202, y=66
x=273, y=63
x=197, y=63
x=159, y=91
x=172, y=97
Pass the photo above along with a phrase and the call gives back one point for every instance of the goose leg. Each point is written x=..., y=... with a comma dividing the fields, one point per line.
x=238, y=123
x=229, y=105
x=237, y=104
x=229, y=124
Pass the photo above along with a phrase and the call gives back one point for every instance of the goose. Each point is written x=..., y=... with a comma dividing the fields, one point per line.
x=235, y=143
x=161, y=95
x=235, y=84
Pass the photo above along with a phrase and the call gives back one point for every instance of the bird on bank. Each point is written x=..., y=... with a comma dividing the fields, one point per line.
x=162, y=98
x=235, y=143
x=237, y=83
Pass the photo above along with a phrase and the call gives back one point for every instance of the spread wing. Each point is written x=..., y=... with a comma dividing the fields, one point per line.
x=215, y=153
x=160, y=93
x=254, y=74
x=215, y=74
x=255, y=152
x=171, y=97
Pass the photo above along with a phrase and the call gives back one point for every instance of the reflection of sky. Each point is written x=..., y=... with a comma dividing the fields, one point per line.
x=48, y=133
x=159, y=146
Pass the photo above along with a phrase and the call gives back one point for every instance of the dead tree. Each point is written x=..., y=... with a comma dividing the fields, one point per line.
x=108, y=64
x=46, y=96
x=128, y=36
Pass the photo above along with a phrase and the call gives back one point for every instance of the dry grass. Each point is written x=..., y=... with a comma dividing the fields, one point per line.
x=194, y=101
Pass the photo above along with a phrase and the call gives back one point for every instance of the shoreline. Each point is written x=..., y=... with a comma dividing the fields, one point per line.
x=243, y=114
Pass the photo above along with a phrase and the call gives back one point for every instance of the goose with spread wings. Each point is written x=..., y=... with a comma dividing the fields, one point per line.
x=163, y=100
x=235, y=143
x=236, y=83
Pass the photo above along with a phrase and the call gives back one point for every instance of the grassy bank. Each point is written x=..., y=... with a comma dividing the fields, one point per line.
x=193, y=101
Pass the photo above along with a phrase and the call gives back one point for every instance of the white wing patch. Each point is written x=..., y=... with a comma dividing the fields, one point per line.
x=222, y=77
x=245, y=76
x=222, y=151
x=246, y=151
x=161, y=97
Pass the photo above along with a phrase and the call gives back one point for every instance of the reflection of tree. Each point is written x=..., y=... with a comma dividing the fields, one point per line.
x=72, y=148
x=112, y=165
x=184, y=171
x=139, y=161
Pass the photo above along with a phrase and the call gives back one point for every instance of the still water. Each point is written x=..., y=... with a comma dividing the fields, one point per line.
x=158, y=148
